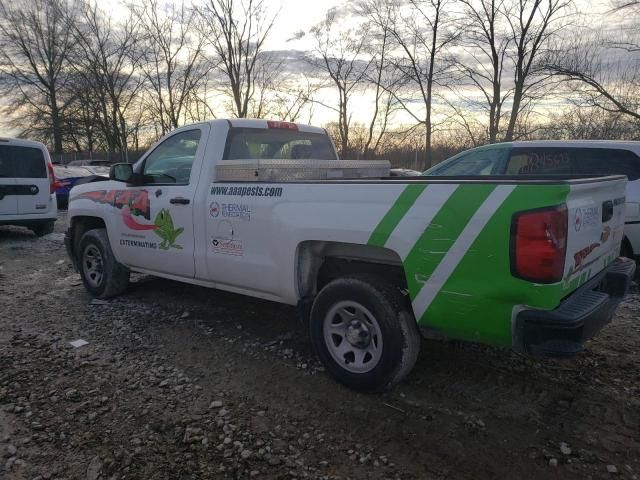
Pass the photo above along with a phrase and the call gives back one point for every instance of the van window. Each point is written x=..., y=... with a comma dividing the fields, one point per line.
x=262, y=143
x=22, y=162
x=579, y=161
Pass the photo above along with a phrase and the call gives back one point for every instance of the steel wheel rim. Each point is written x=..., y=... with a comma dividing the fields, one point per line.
x=353, y=336
x=92, y=266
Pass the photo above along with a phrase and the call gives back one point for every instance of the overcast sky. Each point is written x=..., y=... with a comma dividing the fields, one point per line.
x=301, y=15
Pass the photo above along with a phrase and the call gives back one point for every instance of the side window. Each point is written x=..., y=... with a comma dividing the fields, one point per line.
x=601, y=161
x=531, y=161
x=171, y=161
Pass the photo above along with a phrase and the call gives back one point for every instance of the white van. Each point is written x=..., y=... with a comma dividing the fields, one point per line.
x=27, y=186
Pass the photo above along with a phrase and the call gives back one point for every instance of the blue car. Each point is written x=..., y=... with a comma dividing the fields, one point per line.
x=66, y=178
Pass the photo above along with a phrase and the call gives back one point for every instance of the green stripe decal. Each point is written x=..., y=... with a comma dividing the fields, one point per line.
x=442, y=233
x=397, y=211
x=476, y=302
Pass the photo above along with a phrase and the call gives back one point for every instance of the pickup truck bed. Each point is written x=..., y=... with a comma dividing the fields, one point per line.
x=521, y=262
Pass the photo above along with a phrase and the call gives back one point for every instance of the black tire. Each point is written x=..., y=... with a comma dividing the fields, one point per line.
x=625, y=249
x=113, y=278
x=397, y=326
x=41, y=229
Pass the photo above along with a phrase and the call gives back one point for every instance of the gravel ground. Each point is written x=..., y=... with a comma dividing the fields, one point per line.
x=182, y=382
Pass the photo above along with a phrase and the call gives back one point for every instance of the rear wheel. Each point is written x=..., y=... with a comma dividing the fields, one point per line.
x=364, y=333
x=41, y=229
x=101, y=274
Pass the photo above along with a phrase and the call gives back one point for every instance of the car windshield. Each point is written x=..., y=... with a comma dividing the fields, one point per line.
x=71, y=172
x=484, y=161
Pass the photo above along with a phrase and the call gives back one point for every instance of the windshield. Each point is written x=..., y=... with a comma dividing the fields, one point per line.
x=262, y=143
x=482, y=161
x=71, y=172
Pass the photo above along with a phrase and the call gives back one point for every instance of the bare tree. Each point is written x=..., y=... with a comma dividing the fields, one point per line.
x=34, y=54
x=482, y=64
x=422, y=35
x=532, y=24
x=601, y=77
x=603, y=69
x=237, y=31
x=340, y=54
x=578, y=122
x=174, y=63
x=281, y=94
x=382, y=78
x=108, y=59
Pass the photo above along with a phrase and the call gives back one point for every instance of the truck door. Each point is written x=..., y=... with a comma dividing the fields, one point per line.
x=154, y=220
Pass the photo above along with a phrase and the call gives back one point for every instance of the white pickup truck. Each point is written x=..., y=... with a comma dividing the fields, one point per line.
x=266, y=209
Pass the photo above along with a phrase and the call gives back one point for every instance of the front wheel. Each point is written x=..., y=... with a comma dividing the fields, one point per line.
x=363, y=331
x=101, y=274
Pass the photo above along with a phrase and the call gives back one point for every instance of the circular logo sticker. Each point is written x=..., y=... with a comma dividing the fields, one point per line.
x=214, y=209
x=577, y=222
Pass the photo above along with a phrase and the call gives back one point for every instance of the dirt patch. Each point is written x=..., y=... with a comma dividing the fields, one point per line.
x=184, y=382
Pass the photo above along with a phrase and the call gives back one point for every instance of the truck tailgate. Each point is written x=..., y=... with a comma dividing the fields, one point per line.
x=595, y=228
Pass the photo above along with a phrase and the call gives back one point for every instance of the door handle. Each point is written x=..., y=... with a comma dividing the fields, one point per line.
x=180, y=201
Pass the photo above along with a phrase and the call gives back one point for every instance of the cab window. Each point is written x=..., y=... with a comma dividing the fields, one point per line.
x=263, y=143
x=171, y=161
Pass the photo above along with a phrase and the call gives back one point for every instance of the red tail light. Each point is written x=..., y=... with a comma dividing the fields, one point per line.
x=282, y=125
x=539, y=244
x=52, y=179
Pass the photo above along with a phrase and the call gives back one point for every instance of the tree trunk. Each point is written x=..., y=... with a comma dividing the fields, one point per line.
x=56, y=123
x=515, y=109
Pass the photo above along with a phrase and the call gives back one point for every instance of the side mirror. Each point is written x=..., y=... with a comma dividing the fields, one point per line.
x=121, y=172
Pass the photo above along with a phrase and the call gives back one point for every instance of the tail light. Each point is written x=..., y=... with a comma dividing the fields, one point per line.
x=539, y=244
x=52, y=179
x=282, y=125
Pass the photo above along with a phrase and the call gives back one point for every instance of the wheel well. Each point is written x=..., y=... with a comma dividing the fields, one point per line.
x=81, y=225
x=321, y=262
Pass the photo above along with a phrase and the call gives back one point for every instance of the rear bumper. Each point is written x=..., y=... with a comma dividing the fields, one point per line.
x=563, y=331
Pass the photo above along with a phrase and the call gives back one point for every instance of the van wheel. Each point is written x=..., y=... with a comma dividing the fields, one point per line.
x=364, y=332
x=102, y=276
x=41, y=229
